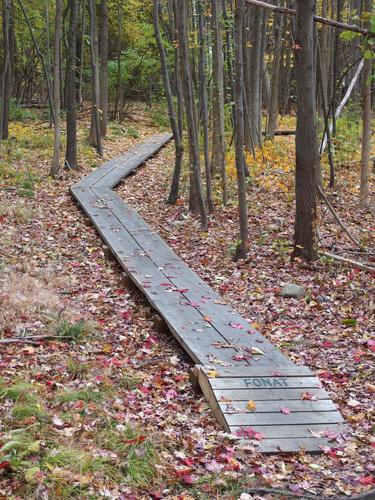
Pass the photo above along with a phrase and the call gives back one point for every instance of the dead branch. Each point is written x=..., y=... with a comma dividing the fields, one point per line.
x=32, y=339
x=318, y=19
x=368, y=495
x=344, y=260
x=338, y=220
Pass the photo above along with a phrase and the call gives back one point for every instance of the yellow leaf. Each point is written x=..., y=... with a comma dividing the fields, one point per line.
x=212, y=374
x=251, y=405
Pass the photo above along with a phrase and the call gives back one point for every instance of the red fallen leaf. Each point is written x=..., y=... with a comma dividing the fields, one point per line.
x=367, y=480
x=307, y=396
x=238, y=326
x=4, y=464
x=126, y=315
x=189, y=479
x=187, y=461
x=326, y=375
x=371, y=345
x=249, y=433
x=285, y=410
x=327, y=344
x=136, y=440
x=75, y=264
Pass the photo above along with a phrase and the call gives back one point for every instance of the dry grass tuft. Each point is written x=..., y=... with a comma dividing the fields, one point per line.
x=24, y=295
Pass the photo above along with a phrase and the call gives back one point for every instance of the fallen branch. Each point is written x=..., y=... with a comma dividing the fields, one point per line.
x=338, y=220
x=318, y=19
x=342, y=103
x=368, y=495
x=32, y=339
x=344, y=260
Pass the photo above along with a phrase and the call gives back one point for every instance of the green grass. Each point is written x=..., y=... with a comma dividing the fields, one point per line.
x=16, y=391
x=22, y=411
x=86, y=395
x=70, y=331
x=137, y=454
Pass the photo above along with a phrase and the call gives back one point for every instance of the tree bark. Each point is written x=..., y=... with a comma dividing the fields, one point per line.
x=203, y=104
x=307, y=158
x=242, y=245
x=71, y=73
x=218, y=124
x=273, y=108
x=55, y=165
x=196, y=198
x=173, y=195
x=95, y=136
x=103, y=46
x=364, y=192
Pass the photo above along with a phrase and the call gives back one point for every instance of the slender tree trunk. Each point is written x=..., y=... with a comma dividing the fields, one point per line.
x=55, y=165
x=81, y=54
x=70, y=94
x=173, y=195
x=218, y=124
x=273, y=108
x=203, y=103
x=196, y=198
x=364, y=193
x=118, y=102
x=5, y=72
x=95, y=136
x=242, y=245
x=103, y=45
x=307, y=157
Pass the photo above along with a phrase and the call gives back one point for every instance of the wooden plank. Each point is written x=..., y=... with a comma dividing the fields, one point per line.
x=296, y=431
x=275, y=406
x=268, y=394
x=262, y=371
x=249, y=419
x=278, y=383
x=293, y=445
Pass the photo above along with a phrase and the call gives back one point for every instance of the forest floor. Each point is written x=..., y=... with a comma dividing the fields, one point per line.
x=104, y=407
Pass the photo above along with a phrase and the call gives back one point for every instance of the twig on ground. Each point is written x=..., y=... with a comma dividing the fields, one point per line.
x=338, y=220
x=362, y=496
x=354, y=263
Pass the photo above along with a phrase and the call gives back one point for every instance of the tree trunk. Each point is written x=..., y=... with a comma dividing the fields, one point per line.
x=196, y=198
x=118, y=102
x=241, y=248
x=9, y=49
x=273, y=108
x=71, y=72
x=364, y=193
x=307, y=158
x=95, y=137
x=173, y=195
x=103, y=45
x=218, y=124
x=203, y=103
x=55, y=165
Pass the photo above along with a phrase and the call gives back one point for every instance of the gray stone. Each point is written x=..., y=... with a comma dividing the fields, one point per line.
x=293, y=291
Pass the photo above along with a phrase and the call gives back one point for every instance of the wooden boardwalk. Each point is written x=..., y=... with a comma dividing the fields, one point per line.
x=289, y=409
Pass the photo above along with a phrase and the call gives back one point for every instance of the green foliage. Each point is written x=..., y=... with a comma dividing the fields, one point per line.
x=159, y=114
x=70, y=331
x=19, y=113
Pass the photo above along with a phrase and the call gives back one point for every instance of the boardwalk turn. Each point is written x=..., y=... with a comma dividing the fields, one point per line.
x=235, y=364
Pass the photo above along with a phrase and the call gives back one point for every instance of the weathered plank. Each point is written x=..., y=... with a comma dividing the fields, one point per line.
x=275, y=406
x=269, y=394
x=315, y=431
x=278, y=383
x=262, y=371
x=280, y=419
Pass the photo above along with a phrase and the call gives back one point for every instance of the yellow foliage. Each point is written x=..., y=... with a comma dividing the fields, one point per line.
x=271, y=167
